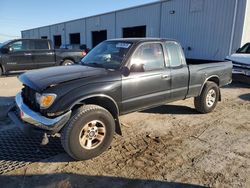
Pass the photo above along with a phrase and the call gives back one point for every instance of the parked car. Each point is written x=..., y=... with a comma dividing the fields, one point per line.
x=82, y=103
x=25, y=54
x=241, y=60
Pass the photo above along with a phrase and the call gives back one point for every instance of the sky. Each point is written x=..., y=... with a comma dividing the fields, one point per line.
x=18, y=15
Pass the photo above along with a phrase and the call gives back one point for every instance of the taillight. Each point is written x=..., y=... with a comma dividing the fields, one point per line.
x=84, y=53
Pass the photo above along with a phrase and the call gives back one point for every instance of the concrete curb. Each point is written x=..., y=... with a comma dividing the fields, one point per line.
x=5, y=103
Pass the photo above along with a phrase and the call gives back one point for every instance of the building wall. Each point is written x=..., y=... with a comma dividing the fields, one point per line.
x=98, y=23
x=44, y=31
x=237, y=28
x=246, y=31
x=146, y=15
x=57, y=29
x=206, y=29
x=203, y=27
x=77, y=26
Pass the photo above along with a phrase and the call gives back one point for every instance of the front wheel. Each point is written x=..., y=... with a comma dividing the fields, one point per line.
x=208, y=99
x=88, y=133
x=1, y=71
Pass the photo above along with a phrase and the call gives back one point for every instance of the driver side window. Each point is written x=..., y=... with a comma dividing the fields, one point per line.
x=150, y=56
x=19, y=46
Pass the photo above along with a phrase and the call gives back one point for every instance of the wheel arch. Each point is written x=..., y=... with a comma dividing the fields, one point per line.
x=216, y=80
x=3, y=68
x=67, y=58
x=104, y=101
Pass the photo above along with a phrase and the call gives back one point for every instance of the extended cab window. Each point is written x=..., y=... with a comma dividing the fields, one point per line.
x=19, y=46
x=150, y=56
x=174, y=54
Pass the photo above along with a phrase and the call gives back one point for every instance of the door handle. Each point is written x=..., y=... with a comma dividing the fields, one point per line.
x=164, y=76
x=27, y=54
x=50, y=53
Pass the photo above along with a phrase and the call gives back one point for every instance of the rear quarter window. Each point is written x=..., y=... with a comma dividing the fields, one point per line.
x=174, y=52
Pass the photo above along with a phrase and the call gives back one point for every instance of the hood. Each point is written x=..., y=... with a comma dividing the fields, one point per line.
x=42, y=78
x=240, y=58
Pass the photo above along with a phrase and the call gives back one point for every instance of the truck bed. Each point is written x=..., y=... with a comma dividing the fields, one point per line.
x=201, y=71
x=199, y=61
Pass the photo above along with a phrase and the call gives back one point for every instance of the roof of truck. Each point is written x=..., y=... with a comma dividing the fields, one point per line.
x=140, y=39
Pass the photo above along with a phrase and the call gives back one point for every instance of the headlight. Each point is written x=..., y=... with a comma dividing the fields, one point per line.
x=45, y=100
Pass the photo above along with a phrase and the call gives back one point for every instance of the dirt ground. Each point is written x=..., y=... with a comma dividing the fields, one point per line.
x=168, y=146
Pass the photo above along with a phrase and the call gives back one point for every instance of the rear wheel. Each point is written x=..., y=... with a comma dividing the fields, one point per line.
x=88, y=133
x=67, y=62
x=208, y=99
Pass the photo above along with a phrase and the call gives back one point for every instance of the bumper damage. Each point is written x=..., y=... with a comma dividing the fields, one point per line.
x=24, y=117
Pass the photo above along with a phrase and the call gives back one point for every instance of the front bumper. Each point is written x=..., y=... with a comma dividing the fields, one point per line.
x=23, y=116
x=241, y=70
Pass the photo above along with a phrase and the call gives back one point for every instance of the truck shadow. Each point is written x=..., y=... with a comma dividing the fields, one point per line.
x=245, y=97
x=237, y=84
x=171, y=109
x=77, y=180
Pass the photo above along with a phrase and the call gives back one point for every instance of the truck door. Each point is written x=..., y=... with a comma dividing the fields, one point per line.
x=149, y=85
x=179, y=70
x=43, y=55
x=19, y=56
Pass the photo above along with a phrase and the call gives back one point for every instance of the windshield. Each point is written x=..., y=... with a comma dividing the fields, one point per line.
x=108, y=54
x=244, y=49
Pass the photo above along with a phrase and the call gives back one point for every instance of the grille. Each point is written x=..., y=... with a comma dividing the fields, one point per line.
x=29, y=98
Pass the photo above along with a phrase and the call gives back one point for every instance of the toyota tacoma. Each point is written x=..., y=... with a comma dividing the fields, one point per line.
x=82, y=103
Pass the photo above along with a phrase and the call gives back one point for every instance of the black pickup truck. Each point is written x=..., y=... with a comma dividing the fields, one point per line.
x=82, y=103
x=26, y=54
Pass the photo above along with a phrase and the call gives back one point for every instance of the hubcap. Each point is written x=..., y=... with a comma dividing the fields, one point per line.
x=211, y=97
x=66, y=64
x=92, y=134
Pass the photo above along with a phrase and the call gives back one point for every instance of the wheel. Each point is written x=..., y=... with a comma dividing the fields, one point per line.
x=208, y=99
x=88, y=133
x=67, y=62
x=1, y=71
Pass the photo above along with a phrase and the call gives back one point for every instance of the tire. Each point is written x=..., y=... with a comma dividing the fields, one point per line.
x=1, y=71
x=208, y=99
x=67, y=62
x=89, y=124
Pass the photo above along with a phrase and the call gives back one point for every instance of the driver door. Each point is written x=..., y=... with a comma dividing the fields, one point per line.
x=147, y=87
x=19, y=56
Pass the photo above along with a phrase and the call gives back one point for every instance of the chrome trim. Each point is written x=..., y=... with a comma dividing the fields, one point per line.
x=37, y=119
x=206, y=82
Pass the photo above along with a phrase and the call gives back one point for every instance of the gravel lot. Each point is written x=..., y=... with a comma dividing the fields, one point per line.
x=168, y=146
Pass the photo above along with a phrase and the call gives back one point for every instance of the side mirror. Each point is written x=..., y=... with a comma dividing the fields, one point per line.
x=125, y=71
x=137, y=68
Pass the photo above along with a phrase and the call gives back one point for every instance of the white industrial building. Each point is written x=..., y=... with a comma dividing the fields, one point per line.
x=206, y=29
